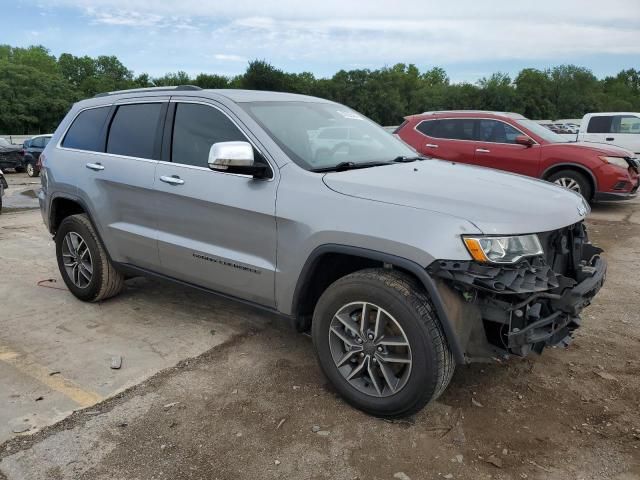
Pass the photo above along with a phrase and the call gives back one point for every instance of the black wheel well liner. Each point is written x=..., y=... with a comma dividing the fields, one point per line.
x=313, y=281
x=572, y=166
x=61, y=208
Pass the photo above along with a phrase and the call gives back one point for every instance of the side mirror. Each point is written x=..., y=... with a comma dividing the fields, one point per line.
x=235, y=157
x=524, y=140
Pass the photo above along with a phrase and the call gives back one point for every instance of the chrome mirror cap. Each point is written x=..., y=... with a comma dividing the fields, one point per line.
x=230, y=155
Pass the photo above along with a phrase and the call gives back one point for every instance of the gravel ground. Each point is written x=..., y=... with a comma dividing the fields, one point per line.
x=257, y=407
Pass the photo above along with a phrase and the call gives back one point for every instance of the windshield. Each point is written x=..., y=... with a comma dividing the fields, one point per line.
x=544, y=132
x=324, y=135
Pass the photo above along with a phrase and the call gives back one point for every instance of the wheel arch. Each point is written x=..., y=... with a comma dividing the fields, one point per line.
x=572, y=166
x=65, y=205
x=329, y=262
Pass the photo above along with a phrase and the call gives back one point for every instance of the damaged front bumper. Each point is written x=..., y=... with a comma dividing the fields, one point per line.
x=517, y=309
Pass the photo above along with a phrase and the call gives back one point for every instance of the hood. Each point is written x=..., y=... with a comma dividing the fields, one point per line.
x=496, y=202
x=599, y=148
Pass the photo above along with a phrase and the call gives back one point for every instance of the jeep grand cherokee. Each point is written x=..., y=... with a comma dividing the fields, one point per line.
x=401, y=267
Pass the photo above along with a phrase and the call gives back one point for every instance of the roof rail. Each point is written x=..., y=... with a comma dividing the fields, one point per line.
x=491, y=112
x=149, y=89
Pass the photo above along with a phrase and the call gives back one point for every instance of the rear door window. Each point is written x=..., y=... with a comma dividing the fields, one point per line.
x=455, y=129
x=134, y=130
x=85, y=132
x=196, y=127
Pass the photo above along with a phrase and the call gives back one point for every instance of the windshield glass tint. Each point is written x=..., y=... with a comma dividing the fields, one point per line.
x=322, y=135
x=544, y=132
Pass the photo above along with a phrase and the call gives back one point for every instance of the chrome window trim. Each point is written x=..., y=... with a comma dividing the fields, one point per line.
x=471, y=118
x=170, y=100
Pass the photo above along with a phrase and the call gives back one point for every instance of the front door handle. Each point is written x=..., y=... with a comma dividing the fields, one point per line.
x=431, y=145
x=609, y=139
x=95, y=166
x=482, y=150
x=172, y=180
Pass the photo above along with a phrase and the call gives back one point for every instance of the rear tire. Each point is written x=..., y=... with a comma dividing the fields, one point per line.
x=83, y=261
x=574, y=181
x=383, y=386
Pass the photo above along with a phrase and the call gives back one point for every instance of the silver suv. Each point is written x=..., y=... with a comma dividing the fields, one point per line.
x=400, y=266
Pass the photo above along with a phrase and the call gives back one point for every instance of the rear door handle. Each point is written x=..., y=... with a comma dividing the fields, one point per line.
x=95, y=166
x=172, y=180
x=431, y=145
x=609, y=139
x=482, y=150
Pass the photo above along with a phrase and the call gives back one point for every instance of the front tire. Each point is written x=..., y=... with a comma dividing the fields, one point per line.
x=83, y=261
x=378, y=340
x=572, y=180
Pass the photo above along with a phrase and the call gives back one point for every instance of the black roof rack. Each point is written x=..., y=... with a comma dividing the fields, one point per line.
x=150, y=89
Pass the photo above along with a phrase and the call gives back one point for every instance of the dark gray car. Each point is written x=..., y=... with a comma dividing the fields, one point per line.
x=401, y=267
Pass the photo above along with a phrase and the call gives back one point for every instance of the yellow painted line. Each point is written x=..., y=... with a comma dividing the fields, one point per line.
x=28, y=366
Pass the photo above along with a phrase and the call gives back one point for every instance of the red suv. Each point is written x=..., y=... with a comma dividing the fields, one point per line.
x=509, y=141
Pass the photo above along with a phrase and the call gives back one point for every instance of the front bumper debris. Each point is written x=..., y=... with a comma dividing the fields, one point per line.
x=531, y=305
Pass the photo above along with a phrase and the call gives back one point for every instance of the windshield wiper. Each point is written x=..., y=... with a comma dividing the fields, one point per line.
x=403, y=159
x=342, y=166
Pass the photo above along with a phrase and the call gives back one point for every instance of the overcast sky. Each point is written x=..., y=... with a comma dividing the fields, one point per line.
x=469, y=38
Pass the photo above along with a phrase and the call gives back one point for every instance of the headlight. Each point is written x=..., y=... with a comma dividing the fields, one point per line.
x=620, y=162
x=503, y=249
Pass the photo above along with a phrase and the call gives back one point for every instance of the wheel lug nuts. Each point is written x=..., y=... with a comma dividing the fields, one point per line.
x=375, y=360
x=371, y=336
x=361, y=354
x=359, y=340
x=379, y=349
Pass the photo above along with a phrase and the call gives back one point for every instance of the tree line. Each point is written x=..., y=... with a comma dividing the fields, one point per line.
x=37, y=89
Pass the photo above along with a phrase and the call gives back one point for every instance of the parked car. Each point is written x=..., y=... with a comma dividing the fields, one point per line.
x=10, y=155
x=400, y=267
x=32, y=148
x=508, y=141
x=621, y=129
x=3, y=185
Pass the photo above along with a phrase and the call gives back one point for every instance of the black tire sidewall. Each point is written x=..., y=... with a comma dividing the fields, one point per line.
x=422, y=381
x=72, y=224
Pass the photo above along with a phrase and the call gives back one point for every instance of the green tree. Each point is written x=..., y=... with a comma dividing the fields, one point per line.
x=533, y=94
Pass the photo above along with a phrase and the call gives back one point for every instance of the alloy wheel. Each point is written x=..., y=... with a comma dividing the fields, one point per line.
x=77, y=259
x=568, y=183
x=30, y=170
x=370, y=349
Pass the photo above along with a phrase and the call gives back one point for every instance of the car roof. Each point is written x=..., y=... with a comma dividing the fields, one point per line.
x=467, y=113
x=43, y=135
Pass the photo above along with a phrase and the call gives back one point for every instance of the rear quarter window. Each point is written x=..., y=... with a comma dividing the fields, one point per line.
x=85, y=132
